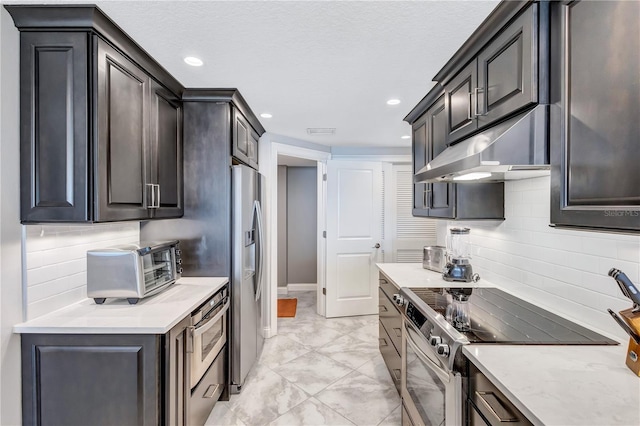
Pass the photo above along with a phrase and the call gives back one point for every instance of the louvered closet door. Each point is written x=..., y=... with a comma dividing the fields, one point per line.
x=407, y=234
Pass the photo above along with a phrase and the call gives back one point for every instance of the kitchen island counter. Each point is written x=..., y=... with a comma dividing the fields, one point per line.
x=152, y=315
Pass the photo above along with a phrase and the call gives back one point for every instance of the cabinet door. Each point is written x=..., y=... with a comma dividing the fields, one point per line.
x=441, y=201
x=166, y=164
x=420, y=194
x=507, y=74
x=595, y=130
x=54, y=128
x=460, y=119
x=122, y=166
x=241, y=135
x=76, y=379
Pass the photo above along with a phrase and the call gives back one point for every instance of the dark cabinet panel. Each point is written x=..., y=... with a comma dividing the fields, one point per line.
x=419, y=133
x=54, y=131
x=442, y=195
x=101, y=140
x=458, y=95
x=167, y=160
x=595, y=130
x=123, y=138
x=91, y=379
x=507, y=71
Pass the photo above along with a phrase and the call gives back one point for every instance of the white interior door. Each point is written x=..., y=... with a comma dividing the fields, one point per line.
x=354, y=229
x=406, y=234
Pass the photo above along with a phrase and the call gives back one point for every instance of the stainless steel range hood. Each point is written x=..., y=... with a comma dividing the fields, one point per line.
x=517, y=148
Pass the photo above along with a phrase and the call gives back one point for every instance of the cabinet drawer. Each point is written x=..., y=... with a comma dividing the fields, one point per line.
x=388, y=288
x=205, y=395
x=391, y=357
x=386, y=308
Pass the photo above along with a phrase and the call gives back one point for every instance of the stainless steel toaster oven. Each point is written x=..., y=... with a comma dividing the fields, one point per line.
x=132, y=271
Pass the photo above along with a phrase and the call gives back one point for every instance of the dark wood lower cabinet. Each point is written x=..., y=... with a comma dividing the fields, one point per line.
x=104, y=379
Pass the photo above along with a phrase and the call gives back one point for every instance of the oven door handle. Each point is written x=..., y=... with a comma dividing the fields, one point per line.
x=200, y=329
x=442, y=374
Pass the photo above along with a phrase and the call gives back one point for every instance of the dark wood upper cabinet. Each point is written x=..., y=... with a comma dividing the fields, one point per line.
x=167, y=143
x=498, y=81
x=595, y=130
x=459, y=105
x=122, y=165
x=101, y=121
x=442, y=200
x=54, y=127
x=507, y=71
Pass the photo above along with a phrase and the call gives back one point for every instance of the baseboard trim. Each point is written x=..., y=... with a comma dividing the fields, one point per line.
x=282, y=291
x=302, y=287
x=267, y=332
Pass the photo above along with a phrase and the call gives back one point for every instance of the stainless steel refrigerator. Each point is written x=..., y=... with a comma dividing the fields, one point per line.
x=221, y=234
x=247, y=278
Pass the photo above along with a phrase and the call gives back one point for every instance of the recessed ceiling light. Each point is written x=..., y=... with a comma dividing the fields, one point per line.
x=266, y=115
x=393, y=101
x=193, y=61
x=405, y=137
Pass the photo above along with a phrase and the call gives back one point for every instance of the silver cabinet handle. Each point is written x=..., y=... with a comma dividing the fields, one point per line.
x=477, y=104
x=151, y=190
x=211, y=390
x=158, y=197
x=494, y=405
x=469, y=112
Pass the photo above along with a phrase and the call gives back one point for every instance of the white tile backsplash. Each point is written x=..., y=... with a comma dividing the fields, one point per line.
x=562, y=270
x=56, y=265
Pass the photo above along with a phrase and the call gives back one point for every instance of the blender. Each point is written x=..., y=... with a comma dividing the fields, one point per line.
x=458, y=268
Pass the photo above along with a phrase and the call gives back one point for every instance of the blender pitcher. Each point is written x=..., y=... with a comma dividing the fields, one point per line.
x=458, y=267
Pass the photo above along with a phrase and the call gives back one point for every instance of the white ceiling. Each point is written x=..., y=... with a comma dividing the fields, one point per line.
x=309, y=63
x=285, y=160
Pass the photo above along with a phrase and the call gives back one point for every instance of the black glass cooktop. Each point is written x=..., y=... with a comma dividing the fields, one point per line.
x=499, y=317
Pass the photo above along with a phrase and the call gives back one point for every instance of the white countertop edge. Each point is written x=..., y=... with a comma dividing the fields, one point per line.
x=201, y=288
x=470, y=354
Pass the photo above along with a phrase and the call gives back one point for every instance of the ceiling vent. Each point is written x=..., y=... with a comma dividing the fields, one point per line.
x=321, y=131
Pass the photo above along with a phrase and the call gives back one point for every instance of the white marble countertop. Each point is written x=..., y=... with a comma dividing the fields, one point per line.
x=551, y=385
x=152, y=315
x=414, y=275
x=563, y=385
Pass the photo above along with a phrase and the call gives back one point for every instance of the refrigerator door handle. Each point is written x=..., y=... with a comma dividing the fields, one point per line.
x=258, y=212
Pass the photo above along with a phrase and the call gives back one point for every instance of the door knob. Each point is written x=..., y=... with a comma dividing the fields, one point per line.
x=377, y=246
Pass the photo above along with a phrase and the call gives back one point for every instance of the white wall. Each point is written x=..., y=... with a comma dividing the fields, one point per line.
x=10, y=230
x=562, y=270
x=56, y=261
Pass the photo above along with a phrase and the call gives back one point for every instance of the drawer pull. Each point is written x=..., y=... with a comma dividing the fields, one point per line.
x=211, y=390
x=494, y=405
x=382, y=342
x=382, y=308
x=398, y=374
x=398, y=332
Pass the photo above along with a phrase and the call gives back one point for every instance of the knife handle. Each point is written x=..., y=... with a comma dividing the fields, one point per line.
x=625, y=283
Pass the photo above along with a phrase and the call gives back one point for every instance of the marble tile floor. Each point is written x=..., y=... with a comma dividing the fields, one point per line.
x=316, y=371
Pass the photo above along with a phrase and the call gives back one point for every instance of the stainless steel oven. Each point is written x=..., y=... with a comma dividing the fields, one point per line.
x=431, y=393
x=207, y=334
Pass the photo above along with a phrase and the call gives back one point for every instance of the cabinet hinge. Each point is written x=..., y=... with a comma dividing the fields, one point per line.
x=324, y=291
x=324, y=177
x=324, y=234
